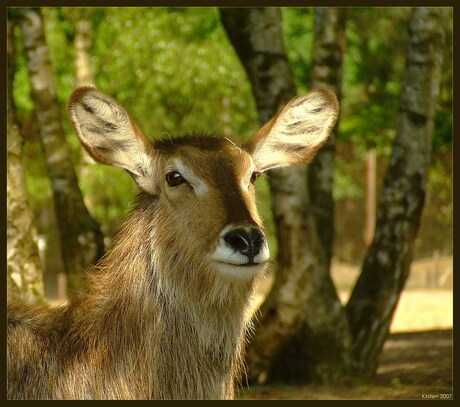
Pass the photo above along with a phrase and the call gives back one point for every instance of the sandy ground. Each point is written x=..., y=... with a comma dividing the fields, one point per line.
x=414, y=366
x=417, y=359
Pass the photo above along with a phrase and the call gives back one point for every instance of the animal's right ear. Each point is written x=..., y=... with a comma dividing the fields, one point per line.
x=110, y=136
x=296, y=133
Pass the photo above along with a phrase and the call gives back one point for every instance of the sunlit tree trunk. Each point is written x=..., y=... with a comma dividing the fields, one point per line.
x=24, y=272
x=81, y=18
x=303, y=310
x=256, y=35
x=371, y=181
x=386, y=267
x=81, y=239
x=83, y=43
x=320, y=348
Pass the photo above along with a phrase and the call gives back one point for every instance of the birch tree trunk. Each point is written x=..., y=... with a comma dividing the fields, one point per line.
x=83, y=43
x=386, y=267
x=24, y=272
x=256, y=35
x=81, y=238
x=320, y=349
x=325, y=342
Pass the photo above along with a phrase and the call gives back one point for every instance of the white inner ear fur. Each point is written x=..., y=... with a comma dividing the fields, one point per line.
x=305, y=121
x=195, y=182
x=101, y=123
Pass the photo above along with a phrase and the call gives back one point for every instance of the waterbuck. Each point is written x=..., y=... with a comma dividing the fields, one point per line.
x=166, y=312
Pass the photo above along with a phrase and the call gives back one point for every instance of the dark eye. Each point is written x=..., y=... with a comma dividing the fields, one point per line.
x=254, y=176
x=174, y=179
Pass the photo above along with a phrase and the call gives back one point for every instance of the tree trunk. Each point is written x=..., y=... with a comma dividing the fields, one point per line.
x=320, y=349
x=83, y=42
x=25, y=275
x=81, y=238
x=386, y=267
x=256, y=35
x=371, y=186
x=325, y=342
x=328, y=52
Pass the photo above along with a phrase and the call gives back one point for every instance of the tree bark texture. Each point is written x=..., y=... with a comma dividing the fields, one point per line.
x=328, y=52
x=81, y=238
x=83, y=43
x=24, y=272
x=257, y=38
x=320, y=349
x=386, y=267
x=303, y=310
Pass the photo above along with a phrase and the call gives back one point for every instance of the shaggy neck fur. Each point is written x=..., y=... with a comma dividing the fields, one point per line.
x=159, y=325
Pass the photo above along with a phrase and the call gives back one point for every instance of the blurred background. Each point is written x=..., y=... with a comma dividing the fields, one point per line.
x=176, y=71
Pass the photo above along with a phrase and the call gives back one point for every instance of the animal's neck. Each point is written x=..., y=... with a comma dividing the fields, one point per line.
x=189, y=332
x=197, y=356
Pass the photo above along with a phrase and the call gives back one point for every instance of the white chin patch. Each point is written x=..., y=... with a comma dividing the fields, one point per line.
x=240, y=272
x=234, y=263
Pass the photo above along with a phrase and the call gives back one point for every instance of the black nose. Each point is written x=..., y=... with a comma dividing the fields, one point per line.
x=246, y=241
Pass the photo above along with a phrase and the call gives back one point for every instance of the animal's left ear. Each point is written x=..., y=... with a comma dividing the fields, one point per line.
x=110, y=136
x=296, y=133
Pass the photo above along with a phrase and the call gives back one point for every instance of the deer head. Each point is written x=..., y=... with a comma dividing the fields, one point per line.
x=202, y=187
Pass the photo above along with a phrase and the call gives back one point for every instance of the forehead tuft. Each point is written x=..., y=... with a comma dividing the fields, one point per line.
x=217, y=161
x=201, y=142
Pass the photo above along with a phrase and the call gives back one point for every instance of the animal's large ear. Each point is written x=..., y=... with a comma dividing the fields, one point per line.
x=110, y=136
x=296, y=133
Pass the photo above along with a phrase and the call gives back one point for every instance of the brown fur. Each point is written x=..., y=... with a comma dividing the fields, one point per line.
x=172, y=331
x=159, y=320
x=140, y=332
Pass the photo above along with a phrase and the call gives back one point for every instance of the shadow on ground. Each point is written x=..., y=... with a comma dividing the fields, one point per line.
x=413, y=366
x=417, y=358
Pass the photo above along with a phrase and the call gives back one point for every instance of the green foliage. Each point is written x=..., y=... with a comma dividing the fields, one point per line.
x=21, y=87
x=108, y=193
x=345, y=185
x=298, y=29
x=175, y=71
x=438, y=228
x=373, y=67
x=172, y=68
x=37, y=182
x=377, y=40
x=397, y=382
